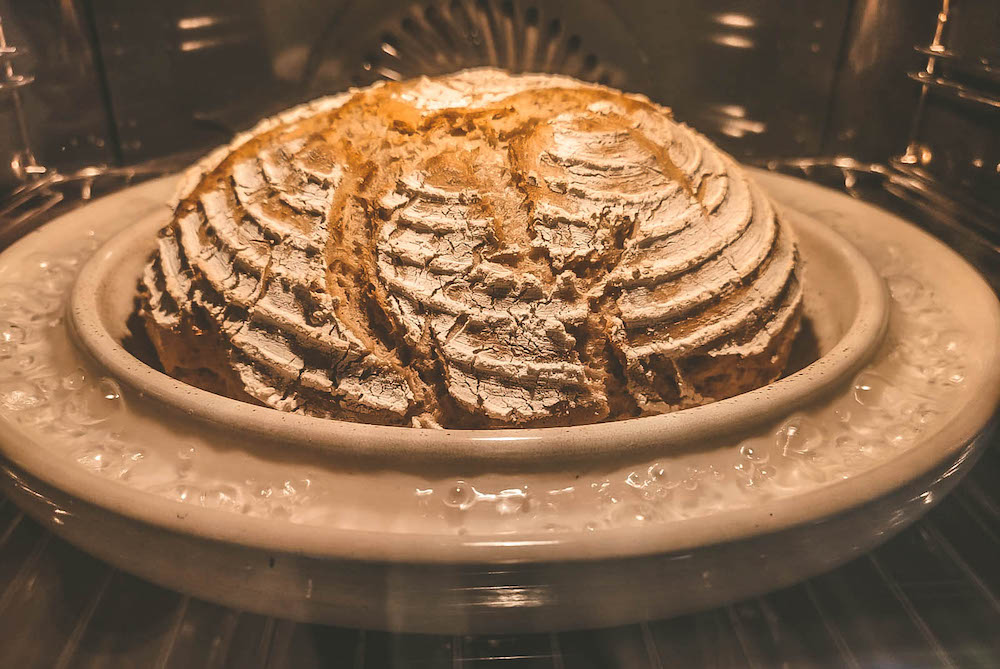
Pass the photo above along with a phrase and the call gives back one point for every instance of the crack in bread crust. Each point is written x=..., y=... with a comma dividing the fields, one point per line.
x=474, y=250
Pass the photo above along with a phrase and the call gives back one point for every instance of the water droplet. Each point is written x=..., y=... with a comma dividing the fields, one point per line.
x=92, y=241
x=38, y=263
x=800, y=435
x=873, y=391
x=96, y=461
x=11, y=333
x=953, y=343
x=901, y=436
x=904, y=289
x=754, y=453
x=635, y=480
x=185, y=461
x=19, y=394
x=511, y=501
x=71, y=261
x=459, y=495
x=696, y=473
x=75, y=380
x=294, y=488
x=55, y=281
x=222, y=497
x=924, y=415
x=634, y=514
x=184, y=493
x=100, y=456
x=109, y=390
x=92, y=406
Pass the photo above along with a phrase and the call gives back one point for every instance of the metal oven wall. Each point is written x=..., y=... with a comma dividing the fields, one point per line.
x=120, y=81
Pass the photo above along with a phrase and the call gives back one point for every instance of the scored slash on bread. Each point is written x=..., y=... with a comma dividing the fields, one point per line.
x=474, y=250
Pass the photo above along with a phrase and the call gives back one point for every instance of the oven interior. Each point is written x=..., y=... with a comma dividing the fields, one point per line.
x=896, y=102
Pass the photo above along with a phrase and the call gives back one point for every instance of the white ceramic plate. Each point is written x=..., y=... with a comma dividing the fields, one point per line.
x=349, y=527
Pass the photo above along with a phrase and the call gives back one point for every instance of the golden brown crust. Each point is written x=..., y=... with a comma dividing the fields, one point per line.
x=474, y=250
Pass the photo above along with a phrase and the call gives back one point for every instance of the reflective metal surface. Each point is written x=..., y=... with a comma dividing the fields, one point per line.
x=66, y=118
x=953, y=139
x=125, y=82
x=181, y=75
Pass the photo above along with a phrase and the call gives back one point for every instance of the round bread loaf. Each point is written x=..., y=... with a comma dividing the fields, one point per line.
x=473, y=250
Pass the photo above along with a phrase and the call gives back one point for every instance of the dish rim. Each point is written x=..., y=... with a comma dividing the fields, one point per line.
x=497, y=447
x=950, y=438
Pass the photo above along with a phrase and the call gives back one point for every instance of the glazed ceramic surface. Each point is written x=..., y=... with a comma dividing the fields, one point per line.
x=496, y=531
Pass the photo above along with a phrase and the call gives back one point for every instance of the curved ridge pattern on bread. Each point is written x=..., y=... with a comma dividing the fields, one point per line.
x=473, y=250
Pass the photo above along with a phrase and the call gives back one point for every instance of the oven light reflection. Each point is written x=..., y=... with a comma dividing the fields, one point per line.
x=504, y=438
x=512, y=544
x=740, y=127
x=732, y=111
x=735, y=20
x=509, y=596
x=390, y=74
x=198, y=44
x=734, y=41
x=196, y=22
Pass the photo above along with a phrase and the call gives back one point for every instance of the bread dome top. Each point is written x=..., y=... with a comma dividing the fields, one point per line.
x=479, y=249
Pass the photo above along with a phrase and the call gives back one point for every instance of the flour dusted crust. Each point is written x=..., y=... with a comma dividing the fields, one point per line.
x=473, y=250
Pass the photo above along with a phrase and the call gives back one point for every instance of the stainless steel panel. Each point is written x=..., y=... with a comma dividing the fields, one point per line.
x=754, y=74
x=757, y=76
x=182, y=75
x=873, y=102
x=66, y=117
x=954, y=140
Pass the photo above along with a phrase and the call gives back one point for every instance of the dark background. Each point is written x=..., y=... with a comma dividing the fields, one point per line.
x=121, y=82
